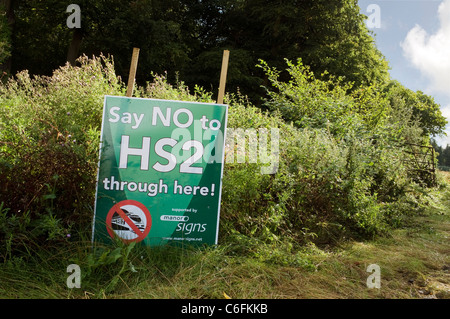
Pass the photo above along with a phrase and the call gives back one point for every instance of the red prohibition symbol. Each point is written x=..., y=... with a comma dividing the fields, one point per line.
x=130, y=220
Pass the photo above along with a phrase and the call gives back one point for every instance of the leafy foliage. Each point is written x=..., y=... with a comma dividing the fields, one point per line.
x=49, y=130
x=188, y=36
x=339, y=173
x=5, y=37
x=49, y=140
x=443, y=155
x=416, y=107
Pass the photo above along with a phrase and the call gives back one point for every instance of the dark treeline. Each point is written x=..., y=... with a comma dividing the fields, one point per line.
x=443, y=155
x=187, y=38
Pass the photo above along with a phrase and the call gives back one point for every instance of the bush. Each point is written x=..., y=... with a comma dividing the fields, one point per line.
x=324, y=188
x=339, y=173
x=49, y=143
x=49, y=133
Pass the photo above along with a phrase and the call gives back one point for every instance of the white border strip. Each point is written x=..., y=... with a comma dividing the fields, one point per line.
x=221, y=173
x=98, y=167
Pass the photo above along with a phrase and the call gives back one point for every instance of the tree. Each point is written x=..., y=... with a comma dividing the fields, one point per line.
x=340, y=43
x=4, y=38
x=327, y=35
x=443, y=155
x=41, y=37
x=6, y=24
x=189, y=36
x=417, y=105
x=160, y=28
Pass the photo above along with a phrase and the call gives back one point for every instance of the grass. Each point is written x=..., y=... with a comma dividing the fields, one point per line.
x=414, y=262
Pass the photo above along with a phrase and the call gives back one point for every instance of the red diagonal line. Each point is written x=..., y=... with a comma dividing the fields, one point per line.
x=129, y=221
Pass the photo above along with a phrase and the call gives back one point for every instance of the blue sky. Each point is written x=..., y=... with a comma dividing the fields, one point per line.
x=414, y=36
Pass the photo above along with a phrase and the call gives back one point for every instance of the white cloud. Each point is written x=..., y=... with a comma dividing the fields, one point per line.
x=446, y=111
x=430, y=53
x=445, y=140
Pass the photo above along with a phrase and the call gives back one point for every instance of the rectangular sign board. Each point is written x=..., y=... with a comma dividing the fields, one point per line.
x=160, y=171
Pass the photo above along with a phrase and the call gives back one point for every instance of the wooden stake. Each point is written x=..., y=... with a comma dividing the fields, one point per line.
x=223, y=76
x=132, y=76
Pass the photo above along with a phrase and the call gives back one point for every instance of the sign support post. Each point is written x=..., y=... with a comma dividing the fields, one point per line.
x=132, y=76
x=223, y=76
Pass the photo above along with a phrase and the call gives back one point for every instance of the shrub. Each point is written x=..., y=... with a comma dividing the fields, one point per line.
x=323, y=188
x=49, y=143
x=345, y=162
x=49, y=132
x=339, y=171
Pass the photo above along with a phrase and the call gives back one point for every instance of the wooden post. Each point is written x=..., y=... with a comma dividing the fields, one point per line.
x=433, y=167
x=132, y=76
x=223, y=76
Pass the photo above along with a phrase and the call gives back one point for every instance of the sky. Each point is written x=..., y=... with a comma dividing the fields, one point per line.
x=414, y=36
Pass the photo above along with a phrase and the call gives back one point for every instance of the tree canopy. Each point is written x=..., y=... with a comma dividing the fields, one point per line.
x=5, y=34
x=185, y=39
x=187, y=36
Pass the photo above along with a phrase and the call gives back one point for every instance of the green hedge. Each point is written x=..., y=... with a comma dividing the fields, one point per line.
x=341, y=179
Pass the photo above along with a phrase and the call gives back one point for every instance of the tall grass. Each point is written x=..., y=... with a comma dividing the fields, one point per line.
x=412, y=262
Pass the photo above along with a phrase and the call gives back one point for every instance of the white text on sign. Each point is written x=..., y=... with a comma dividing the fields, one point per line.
x=136, y=119
x=144, y=153
x=153, y=189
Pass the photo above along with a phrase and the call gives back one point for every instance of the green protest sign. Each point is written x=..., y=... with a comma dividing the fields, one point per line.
x=160, y=171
